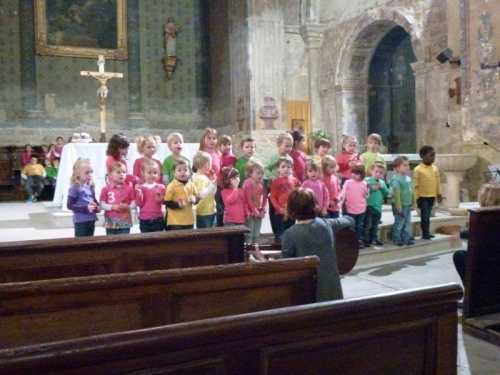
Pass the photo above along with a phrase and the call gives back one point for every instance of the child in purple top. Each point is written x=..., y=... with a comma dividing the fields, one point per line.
x=316, y=184
x=82, y=200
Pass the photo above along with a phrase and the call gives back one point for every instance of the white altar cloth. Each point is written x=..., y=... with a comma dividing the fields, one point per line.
x=96, y=152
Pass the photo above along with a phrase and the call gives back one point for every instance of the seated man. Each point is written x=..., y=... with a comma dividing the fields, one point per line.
x=34, y=174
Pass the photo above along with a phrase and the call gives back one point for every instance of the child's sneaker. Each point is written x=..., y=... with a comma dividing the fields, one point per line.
x=409, y=242
x=399, y=243
x=378, y=243
x=30, y=200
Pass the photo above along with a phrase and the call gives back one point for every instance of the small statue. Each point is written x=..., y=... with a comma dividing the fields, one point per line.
x=170, y=36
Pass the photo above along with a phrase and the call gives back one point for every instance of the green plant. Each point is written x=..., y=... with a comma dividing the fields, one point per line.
x=317, y=134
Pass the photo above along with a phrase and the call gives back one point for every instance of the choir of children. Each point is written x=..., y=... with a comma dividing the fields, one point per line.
x=227, y=190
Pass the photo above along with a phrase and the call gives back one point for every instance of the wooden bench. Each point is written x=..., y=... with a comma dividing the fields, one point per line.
x=482, y=275
x=87, y=256
x=346, y=246
x=409, y=332
x=60, y=309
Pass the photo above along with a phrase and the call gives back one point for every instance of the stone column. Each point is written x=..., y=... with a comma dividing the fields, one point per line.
x=420, y=71
x=312, y=34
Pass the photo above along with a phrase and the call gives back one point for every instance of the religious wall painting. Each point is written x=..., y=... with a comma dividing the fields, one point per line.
x=84, y=28
x=299, y=125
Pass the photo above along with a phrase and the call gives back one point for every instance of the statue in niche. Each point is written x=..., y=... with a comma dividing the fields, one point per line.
x=170, y=31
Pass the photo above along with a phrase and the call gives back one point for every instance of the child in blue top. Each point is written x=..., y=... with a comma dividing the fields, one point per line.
x=403, y=201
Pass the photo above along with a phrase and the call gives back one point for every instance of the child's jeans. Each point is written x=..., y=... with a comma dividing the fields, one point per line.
x=425, y=204
x=371, y=222
x=254, y=224
x=281, y=226
x=401, y=223
x=358, y=223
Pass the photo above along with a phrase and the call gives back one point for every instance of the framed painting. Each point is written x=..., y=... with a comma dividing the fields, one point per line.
x=300, y=125
x=81, y=28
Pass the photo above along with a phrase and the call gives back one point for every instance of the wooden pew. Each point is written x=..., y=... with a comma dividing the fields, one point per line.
x=99, y=255
x=482, y=275
x=51, y=310
x=409, y=332
x=346, y=246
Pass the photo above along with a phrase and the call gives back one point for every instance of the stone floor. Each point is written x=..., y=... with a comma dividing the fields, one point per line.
x=21, y=221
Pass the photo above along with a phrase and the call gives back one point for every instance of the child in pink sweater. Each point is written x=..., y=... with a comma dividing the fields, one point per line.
x=329, y=167
x=235, y=209
x=255, y=199
x=354, y=194
x=149, y=198
x=315, y=183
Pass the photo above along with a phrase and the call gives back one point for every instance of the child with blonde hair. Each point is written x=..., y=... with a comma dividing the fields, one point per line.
x=81, y=198
x=175, y=142
x=117, y=199
x=255, y=199
x=281, y=187
x=149, y=198
x=235, y=209
x=208, y=144
x=329, y=167
x=146, y=146
x=316, y=184
x=180, y=197
x=206, y=209
x=348, y=158
x=372, y=154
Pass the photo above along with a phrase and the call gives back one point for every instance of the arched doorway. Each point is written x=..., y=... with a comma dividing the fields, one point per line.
x=391, y=92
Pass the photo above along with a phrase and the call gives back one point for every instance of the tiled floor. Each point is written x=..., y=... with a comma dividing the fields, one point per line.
x=21, y=221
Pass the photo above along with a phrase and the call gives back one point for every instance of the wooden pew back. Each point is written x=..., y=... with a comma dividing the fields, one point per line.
x=410, y=332
x=52, y=310
x=482, y=275
x=99, y=255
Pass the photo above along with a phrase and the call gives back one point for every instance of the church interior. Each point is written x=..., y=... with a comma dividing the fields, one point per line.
x=417, y=72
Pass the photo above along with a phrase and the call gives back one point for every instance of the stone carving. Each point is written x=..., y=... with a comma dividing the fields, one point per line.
x=269, y=112
x=240, y=113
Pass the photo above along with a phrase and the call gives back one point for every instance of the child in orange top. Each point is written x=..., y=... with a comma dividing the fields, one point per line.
x=281, y=187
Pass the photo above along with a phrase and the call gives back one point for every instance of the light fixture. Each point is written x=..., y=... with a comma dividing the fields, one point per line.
x=447, y=55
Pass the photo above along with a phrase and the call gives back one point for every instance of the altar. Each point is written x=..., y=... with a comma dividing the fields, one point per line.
x=96, y=152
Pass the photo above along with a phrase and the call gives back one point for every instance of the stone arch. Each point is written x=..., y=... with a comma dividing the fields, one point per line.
x=350, y=90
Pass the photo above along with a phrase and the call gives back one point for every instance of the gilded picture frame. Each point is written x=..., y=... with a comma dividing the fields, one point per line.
x=63, y=28
x=299, y=124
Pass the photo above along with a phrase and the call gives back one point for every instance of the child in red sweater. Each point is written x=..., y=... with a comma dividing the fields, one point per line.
x=281, y=187
x=235, y=209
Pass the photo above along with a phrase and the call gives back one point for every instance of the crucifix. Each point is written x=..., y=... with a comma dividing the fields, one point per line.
x=102, y=91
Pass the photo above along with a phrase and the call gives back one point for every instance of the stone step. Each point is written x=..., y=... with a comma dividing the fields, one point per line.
x=390, y=253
